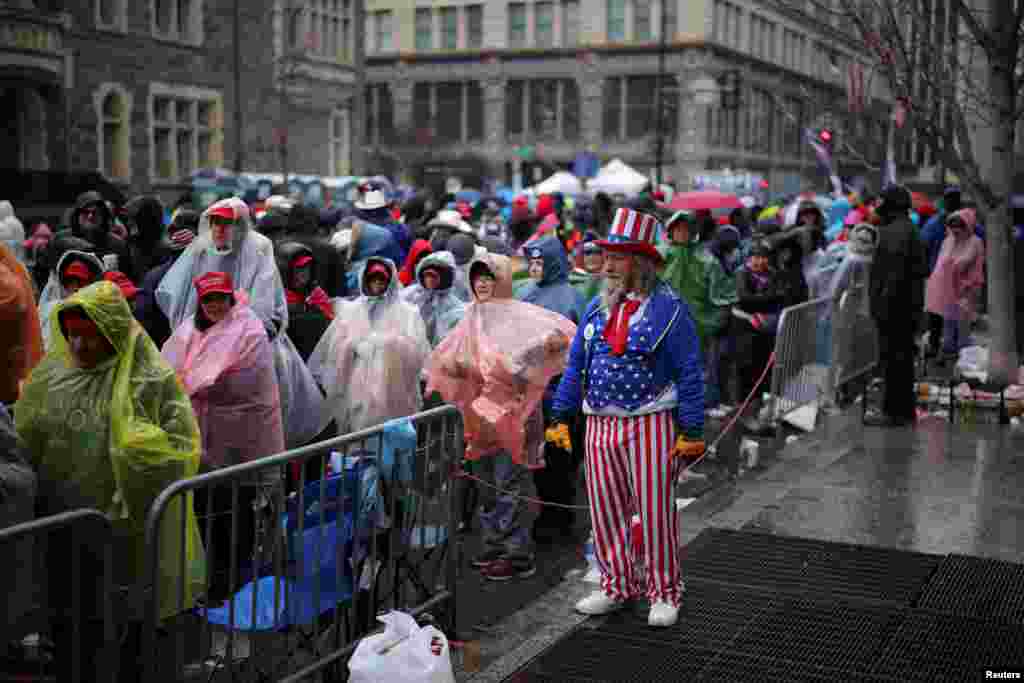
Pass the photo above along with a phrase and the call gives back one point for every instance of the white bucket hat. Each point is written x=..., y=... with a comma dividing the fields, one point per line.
x=371, y=199
x=451, y=218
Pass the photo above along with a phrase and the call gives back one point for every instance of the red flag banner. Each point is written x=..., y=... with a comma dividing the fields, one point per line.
x=856, y=97
x=899, y=113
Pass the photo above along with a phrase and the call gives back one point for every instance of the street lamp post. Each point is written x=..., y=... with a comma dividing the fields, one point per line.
x=659, y=100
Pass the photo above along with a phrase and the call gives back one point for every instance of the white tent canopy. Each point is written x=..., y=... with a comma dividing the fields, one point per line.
x=561, y=181
x=616, y=177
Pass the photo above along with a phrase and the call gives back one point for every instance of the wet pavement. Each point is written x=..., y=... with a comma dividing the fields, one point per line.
x=937, y=488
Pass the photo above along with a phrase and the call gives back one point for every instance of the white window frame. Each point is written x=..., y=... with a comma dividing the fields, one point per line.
x=120, y=22
x=331, y=23
x=340, y=166
x=378, y=17
x=417, y=14
x=197, y=14
x=466, y=11
x=184, y=92
x=99, y=96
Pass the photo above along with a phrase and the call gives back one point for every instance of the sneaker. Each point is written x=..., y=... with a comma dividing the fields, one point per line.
x=599, y=603
x=663, y=614
x=506, y=570
x=487, y=558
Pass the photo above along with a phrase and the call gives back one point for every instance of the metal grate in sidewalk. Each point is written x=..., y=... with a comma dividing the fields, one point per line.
x=976, y=587
x=943, y=647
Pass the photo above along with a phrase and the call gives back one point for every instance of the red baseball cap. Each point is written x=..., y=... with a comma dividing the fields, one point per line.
x=127, y=287
x=214, y=283
x=303, y=260
x=377, y=268
x=79, y=270
x=224, y=211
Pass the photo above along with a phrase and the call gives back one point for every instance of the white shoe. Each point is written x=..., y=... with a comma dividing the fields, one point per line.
x=662, y=614
x=598, y=603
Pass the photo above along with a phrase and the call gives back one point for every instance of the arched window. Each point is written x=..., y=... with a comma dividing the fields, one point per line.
x=113, y=104
x=340, y=136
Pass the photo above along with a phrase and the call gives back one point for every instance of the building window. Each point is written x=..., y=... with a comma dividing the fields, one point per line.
x=110, y=14
x=642, y=20
x=542, y=109
x=517, y=24
x=727, y=23
x=793, y=122
x=382, y=31
x=723, y=127
x=631, y=107
x=424, y=29
x=380, y=114
x=450, y=112
x=671, y=18
x=616, y=21
x=180, y=20
x=186, y=130
x=113, y=105
x=760, y=122
x=474, y=26
x=449, y=28
x=762, y=37
x=570, y=22
x=544, y=24
x=322, y=29
x=340, y=136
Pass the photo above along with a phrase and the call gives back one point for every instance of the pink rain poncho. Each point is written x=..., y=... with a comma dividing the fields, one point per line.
x=495, y=366
x=959, y=273
x=228, y=372
x=369, y=360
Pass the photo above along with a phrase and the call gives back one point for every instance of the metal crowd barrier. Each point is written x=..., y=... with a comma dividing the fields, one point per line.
x=69, y=632
x=822, y=345
x=299, y=562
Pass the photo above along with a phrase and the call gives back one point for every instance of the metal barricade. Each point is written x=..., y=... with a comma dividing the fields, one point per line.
x=70, y=633
x=300, y=562
x=856, y=350
x=801, y=374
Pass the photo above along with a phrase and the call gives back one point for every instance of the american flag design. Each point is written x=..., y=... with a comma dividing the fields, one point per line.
x=630, y=469
x=633, y=226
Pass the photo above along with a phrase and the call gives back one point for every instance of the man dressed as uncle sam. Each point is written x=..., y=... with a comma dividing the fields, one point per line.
x=635, y=370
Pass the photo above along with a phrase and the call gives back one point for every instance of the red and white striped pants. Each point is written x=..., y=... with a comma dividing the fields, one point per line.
x=630, y=469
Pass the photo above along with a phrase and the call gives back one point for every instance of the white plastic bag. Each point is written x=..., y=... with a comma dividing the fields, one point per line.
x=404, y=652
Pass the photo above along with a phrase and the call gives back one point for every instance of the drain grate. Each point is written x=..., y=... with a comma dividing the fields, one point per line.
x=944, y=647
x=710, y=616
x=972, y=586
x=736, y=668
x=589, y=654
x=808, y=566
x=817, y=634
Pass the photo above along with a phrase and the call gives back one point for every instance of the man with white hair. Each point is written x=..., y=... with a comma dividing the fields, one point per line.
x=635, y=371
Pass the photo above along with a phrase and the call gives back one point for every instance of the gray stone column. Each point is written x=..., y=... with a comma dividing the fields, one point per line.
x=591, y=89
x=691, y=145
x=401, y=97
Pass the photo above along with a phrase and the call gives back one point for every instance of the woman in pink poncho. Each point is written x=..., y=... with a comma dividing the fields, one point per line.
x=226, y=363
x=494, y=365
x=957, y=279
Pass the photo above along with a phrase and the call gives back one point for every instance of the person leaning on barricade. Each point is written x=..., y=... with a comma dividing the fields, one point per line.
x=226, y=365
x=107, y=426
x=635, y=371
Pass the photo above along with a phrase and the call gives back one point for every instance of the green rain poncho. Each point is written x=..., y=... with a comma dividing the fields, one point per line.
x=687, y=270
x=114, y=436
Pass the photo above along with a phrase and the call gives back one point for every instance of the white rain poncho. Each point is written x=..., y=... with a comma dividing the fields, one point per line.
x=253, y=270
x=250, y=263
x=369, y=359
x=12, y=232
x=54, y=292
x=440, y=308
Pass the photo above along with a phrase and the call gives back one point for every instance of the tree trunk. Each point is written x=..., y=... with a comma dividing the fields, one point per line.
x=1003, y=361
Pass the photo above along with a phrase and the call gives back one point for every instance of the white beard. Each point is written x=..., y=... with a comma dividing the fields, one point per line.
x=612, y=292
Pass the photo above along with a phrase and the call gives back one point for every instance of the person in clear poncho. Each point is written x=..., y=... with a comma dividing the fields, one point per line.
x=495, y=366
x=75, y=269
x=107, y=426
x=227, y=243
x=226, y=364
x=370, y=358
x=433, y=294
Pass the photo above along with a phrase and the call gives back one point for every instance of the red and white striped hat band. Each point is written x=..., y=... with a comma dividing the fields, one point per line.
x=633, y=226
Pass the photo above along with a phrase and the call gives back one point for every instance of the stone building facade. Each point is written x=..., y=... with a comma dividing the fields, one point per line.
x=543, y=80
x=144, y=90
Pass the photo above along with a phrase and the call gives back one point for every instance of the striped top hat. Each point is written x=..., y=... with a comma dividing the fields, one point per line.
x=633, y=232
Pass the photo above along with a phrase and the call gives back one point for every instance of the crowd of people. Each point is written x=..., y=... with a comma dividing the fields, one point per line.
x=143, y=350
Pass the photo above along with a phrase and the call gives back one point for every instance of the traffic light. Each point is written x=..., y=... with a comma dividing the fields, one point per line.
x=826, y=137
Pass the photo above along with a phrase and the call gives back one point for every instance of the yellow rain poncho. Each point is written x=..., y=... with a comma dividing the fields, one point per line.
x=112, y=437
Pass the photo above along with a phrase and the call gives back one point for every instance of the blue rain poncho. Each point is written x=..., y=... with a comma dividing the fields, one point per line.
x=553, y=292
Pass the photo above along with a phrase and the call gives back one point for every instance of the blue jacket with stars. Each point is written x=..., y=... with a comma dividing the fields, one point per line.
x=662, y=348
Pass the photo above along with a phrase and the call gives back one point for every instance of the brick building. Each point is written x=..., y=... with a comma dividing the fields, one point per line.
x=546, y=79
x=144, y=90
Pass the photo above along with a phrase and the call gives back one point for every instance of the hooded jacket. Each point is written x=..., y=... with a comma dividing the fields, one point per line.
x=401, y=234
x=103, y=242
x=553, y=292
x=688, y=270
x=148, y=246
x=113, y=437
x=54, y=292
x=21, y=342
x=307, y=319
x=899, y=271
x=440, y=309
